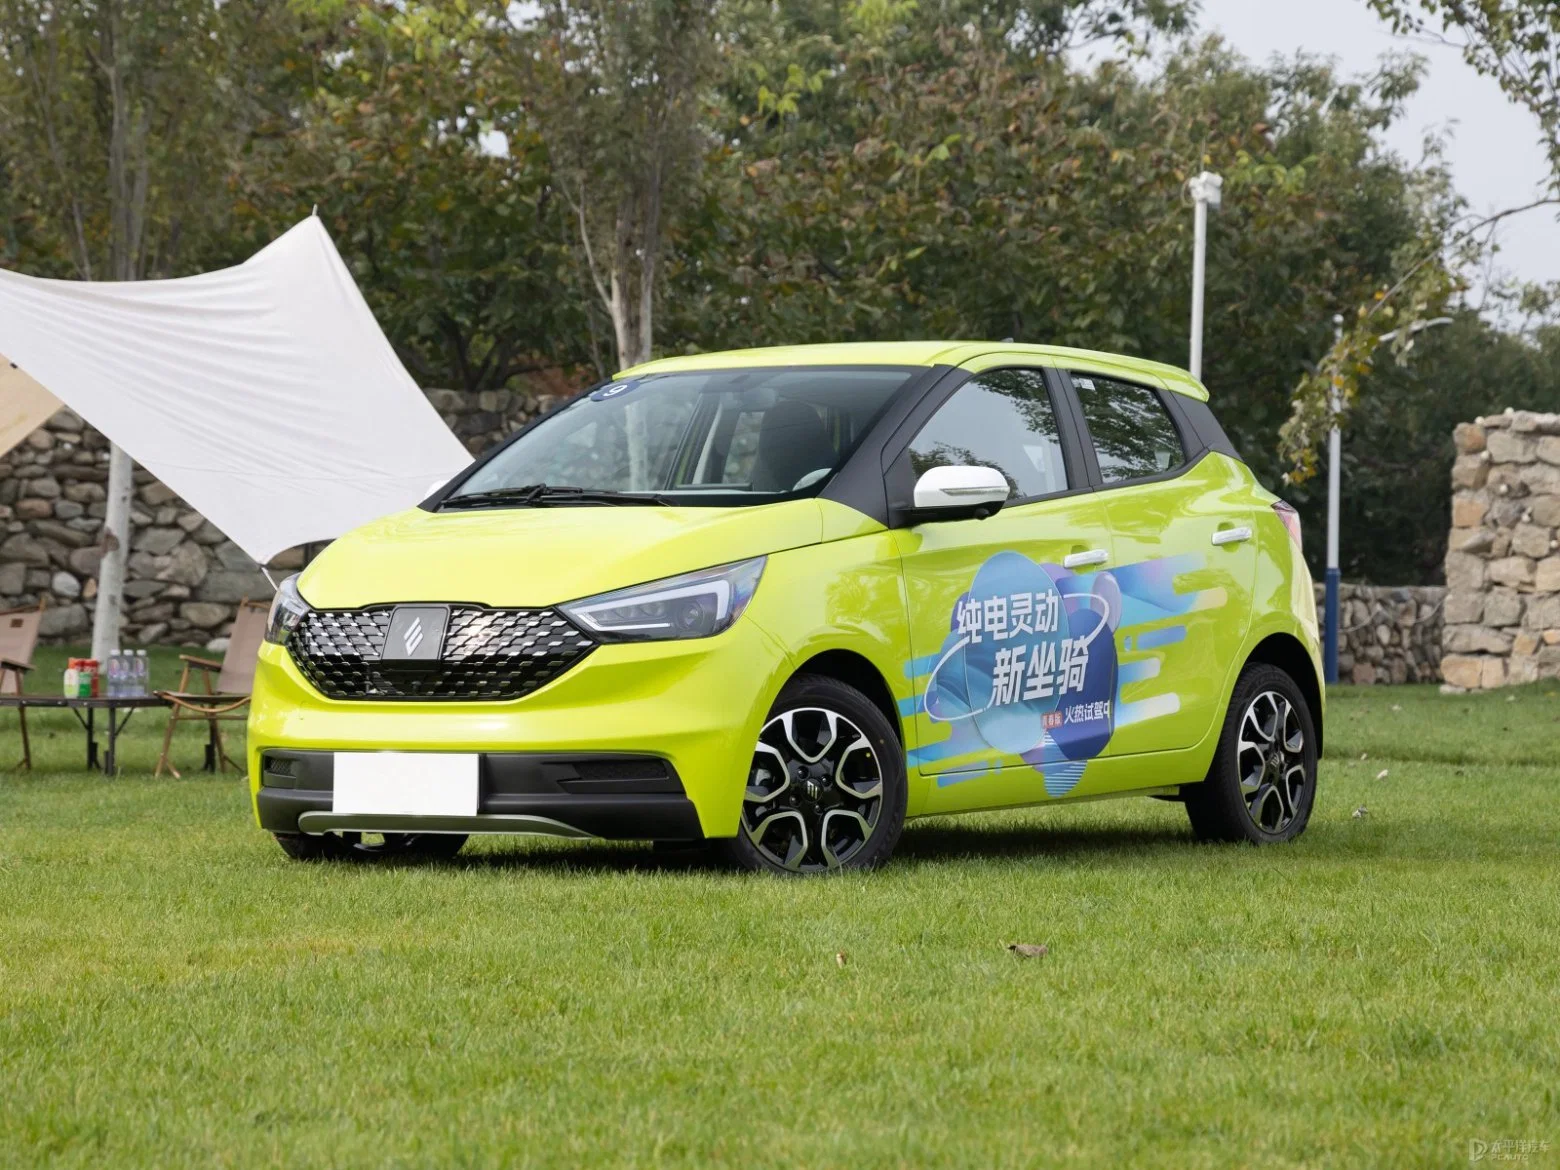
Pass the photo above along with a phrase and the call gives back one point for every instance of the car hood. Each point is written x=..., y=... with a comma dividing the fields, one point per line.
x=543, y=556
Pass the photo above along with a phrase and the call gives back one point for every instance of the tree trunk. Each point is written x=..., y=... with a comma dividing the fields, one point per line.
x=632, y=281
x=631, y=284
x=631, y=323
x=128, y=175
x=107, y=615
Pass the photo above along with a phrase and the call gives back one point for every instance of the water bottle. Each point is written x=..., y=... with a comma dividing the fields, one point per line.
x=143, y=673
x=116, y=674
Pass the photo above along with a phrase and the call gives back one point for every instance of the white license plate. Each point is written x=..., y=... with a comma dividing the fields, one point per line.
x=424, y=784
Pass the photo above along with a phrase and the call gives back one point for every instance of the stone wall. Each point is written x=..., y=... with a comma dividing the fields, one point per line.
x=1503, y=555
x=1388, y=634
x=184, y=578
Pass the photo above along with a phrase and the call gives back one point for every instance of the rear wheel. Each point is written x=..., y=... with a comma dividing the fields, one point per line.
x=826, y=788
x=1262, y=782
x=370, y=846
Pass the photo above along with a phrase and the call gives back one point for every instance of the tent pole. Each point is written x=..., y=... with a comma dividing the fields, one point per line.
x=116, y=545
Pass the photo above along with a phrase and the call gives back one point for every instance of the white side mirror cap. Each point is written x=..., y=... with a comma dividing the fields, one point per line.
x=960, y=486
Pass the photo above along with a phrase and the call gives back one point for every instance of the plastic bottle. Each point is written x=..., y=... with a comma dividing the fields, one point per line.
x=143, y=674
x=116, y=674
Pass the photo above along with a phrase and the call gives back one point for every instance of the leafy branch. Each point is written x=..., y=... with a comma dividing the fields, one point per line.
x=1424, y=289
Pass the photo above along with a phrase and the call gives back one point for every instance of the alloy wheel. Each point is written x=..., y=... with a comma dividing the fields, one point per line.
x=814, y=791
x=1270, y=760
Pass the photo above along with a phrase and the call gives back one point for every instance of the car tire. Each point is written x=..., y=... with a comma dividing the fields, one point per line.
x=352, y=847
x=1261, y=785
x=826, y=789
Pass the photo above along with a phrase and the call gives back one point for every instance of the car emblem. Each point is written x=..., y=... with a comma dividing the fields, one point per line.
x=416, y=633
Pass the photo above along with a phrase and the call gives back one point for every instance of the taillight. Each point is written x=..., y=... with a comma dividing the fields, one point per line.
x=1291, y=519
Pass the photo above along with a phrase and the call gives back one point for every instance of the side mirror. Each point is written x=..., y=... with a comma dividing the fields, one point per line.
x=958, y=493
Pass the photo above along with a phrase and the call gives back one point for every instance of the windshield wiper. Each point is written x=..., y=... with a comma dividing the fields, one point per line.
x=541, y=495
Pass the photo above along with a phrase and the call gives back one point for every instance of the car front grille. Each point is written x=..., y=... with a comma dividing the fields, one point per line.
x=488, y=654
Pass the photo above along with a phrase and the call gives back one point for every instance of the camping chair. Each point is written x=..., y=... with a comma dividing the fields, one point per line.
x=18, y=639
x=235, y=677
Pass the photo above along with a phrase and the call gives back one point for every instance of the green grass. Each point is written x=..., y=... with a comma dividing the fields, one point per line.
x=174, y=992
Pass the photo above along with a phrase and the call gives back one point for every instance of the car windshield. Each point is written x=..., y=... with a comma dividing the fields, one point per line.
x=712, y=437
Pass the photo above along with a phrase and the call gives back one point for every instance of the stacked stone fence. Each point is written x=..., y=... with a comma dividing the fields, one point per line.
x=1503, y=555
x=1388, y=634
x=184, y=578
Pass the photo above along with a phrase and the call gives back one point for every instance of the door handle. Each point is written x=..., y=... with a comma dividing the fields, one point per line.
x=1232, y=535
x=1095, y=556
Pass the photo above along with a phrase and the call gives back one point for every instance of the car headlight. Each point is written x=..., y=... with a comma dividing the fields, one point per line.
x=287, y=610
x=695, y=605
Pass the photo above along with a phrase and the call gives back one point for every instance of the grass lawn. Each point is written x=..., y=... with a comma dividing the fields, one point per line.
x=175, y=992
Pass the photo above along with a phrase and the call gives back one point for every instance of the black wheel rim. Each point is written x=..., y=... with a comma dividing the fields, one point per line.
x=1270, y=757
x=814, y=792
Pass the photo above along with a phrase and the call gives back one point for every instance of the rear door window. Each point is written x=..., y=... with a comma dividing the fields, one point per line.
x=1132, y=432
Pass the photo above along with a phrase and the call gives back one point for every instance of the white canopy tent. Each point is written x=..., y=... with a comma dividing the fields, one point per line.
x=266, y=394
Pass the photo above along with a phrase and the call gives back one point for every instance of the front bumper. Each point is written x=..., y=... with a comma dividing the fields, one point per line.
x=557, y=795
x=696, y=705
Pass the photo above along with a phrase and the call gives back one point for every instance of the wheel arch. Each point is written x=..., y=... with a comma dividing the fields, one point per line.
x=1289, y=654
x=858, y=671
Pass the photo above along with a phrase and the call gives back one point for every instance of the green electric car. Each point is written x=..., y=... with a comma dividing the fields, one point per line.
x=782, y=600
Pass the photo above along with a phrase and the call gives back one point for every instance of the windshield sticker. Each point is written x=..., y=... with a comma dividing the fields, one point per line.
x=1029, y=667
x=616, y=389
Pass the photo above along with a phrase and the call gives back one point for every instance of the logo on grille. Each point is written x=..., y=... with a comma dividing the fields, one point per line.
x=414, y=636
x=416, y=633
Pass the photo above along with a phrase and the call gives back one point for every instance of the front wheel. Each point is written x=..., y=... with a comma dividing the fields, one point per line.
x=826, y=788
x=1262, y=782
x=370, y=846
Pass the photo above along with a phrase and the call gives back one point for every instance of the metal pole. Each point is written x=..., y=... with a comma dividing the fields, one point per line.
x=1199, y=274
x=1206, y=191
x=1334, y=476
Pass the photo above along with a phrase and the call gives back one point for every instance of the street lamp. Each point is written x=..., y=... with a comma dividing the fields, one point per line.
x=1206, y=191
x=1334, y=499
x=1334, y=476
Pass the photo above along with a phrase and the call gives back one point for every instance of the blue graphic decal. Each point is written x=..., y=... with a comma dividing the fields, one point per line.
x=1168, y=636
x=1030, y=668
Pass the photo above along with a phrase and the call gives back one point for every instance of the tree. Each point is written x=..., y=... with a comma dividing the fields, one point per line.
x=1517, y=42
x=410, y=140
x=118, y=125
x=965, y=189
x=615, y=88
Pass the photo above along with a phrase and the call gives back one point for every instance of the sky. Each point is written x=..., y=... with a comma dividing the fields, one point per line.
x=1493, y=152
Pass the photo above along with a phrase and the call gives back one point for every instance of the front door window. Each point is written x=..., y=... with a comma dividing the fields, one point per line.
x=1003, y=420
